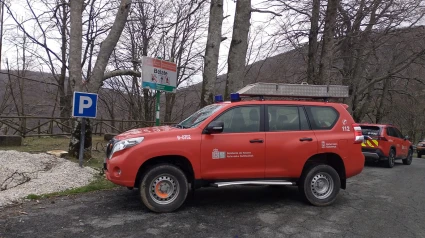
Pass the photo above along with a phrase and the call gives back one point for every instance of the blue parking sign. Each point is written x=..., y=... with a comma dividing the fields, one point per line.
x=84, y=105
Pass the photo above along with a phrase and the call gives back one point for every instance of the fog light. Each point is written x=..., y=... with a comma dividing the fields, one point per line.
x=117, y=172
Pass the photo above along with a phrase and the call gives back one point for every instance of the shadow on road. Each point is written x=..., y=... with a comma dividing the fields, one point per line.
x=221, y=198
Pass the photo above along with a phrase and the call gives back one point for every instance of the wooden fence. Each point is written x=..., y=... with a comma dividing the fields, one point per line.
x=30, y=126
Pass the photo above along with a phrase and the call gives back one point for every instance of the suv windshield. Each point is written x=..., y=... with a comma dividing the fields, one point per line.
x=199, y=116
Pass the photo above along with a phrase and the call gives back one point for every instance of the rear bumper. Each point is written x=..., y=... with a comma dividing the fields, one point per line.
x=373, y=154
x=369, y=155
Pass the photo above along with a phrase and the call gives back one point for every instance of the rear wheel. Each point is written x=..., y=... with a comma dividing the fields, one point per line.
x=419, y=155
x=320, y=185
x=409, y=158
x=391, y=159
x=164, y=188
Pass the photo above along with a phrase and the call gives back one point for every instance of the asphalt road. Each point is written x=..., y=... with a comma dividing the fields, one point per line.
x=380, y=202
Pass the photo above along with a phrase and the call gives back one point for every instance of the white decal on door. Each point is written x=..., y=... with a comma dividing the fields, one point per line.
x=218, y=154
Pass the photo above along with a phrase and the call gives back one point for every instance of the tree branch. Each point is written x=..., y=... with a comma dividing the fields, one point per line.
x=265, y=11
x=122, y=72
x=392, y=73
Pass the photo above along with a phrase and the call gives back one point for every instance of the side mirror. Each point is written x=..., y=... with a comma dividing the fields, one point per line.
x=214, y=127
x=406, y=137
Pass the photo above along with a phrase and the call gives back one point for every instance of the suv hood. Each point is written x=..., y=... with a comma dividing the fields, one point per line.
x=143, y=131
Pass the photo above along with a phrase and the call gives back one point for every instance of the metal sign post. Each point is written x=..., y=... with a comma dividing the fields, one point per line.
x=159, y=75
x=82, y=139
x=84, y=105
x=158, y=101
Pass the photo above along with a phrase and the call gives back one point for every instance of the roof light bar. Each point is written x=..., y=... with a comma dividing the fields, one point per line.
x=218, y=98
x=234, y=97
x=294, y=90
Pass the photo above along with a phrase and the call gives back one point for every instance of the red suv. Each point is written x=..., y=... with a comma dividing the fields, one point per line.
x=313, y=145
x=386, y=143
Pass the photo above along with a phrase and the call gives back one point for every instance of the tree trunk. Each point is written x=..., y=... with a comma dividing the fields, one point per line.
x=170, y=99
x=65, y=93
x=74, y=145
x=75, y=70
x=325, y=65
x=238, y=47
x=98, y=73
x=107, y=46
x=312, y=42
x=211, y=52
x=380, y=111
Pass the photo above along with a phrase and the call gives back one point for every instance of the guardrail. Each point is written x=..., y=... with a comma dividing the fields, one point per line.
x=33, y=126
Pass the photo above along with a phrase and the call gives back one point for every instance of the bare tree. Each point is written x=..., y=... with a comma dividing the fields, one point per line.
x=238, y=47
x=212, y=51
x=325, y=64
x=312, y=42
x=98, y=75
x=57, y=12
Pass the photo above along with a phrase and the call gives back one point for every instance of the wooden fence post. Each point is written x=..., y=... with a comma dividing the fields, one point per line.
x=101, y=125
x=51, y=127
x=24, y=127
x=39, y=129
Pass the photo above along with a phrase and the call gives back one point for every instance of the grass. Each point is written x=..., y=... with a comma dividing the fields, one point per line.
x=99, y=184
x=44, y=144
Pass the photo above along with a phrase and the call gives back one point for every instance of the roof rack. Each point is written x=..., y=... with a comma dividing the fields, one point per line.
x=302, y=90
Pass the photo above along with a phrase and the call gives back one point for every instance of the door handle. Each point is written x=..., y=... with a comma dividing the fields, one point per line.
x=256, y=141
x=306, y=139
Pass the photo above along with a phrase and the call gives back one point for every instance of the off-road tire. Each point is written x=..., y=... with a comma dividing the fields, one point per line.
x=154, y=173
x=308, y=178
x=408, y=160
x=391, y=159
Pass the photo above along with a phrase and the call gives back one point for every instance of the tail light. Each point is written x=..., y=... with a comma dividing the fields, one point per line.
x=358, y=135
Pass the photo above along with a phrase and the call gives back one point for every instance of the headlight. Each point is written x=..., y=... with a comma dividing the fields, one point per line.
x=124, y=144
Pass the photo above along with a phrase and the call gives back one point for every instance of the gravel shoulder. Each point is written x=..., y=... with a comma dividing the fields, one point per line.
x=22, y=174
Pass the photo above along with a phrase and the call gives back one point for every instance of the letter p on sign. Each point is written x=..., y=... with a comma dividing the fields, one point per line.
x=84, y=105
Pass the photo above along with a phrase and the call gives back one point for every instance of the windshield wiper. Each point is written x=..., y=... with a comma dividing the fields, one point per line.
x=180, y=126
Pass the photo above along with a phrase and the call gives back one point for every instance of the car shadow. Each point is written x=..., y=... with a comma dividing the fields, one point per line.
x=248, y=195
x=381, y=164
x=245, y=193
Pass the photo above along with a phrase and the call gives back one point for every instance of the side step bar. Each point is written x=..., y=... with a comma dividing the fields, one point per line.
x=260, y=182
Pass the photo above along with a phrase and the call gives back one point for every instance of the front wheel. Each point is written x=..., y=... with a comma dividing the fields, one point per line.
x=320, y=185
x=409, y=158
x=164, y=188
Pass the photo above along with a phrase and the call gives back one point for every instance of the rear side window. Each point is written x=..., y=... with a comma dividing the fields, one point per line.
x=286, y=118
x=395, y=132
x=391, y=132
x=371, y=130
x=322, y=118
